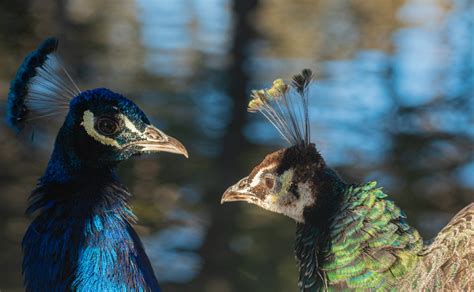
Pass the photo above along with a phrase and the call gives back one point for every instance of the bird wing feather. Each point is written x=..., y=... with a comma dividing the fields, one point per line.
x=448, y=262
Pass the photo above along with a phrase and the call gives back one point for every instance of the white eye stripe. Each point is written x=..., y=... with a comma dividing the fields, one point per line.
x=88, y=124
x=129, y=125
x=256, y=178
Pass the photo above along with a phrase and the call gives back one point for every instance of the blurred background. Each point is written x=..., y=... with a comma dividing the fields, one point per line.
x=393, y=102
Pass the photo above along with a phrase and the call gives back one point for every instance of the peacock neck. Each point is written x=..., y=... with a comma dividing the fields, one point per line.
x=72, y=161
x=365, y=243
x=82, y=237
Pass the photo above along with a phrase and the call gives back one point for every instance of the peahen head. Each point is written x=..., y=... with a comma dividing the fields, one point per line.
x=284, y=182
x=289, y=180
x=101, y=127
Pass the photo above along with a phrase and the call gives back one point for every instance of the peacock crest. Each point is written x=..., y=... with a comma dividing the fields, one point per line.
x=41, y=89
x=285, y=106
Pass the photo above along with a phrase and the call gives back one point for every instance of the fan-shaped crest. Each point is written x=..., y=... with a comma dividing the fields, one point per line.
x=42, y=87
x=286, y=107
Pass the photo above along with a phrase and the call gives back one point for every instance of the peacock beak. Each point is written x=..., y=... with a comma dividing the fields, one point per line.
x=240, y=192
x=157, y=141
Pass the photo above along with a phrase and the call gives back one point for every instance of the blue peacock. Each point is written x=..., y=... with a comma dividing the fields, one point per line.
x=82, y=235
x=348, y=236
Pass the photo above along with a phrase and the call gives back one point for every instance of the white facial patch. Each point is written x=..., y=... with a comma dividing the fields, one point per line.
x=88, y=124
x=295, y=208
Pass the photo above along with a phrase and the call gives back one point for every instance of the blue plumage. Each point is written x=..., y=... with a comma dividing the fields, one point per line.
x=83, y=239
x=82, y=236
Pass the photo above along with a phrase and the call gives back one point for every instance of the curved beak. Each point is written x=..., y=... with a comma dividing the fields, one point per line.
x=157, y=141
x=239, y=192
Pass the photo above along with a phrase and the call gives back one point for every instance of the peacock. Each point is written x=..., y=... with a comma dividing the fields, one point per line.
x=348, y=236
x=82, y=236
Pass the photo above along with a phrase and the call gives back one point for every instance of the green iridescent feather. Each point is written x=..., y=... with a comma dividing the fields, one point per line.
x=370, y=246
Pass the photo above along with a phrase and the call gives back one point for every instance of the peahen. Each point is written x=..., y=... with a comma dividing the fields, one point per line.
x=348, y=236
x=82, y=237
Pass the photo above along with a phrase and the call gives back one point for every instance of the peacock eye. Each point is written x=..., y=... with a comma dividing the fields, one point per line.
x=107, y=126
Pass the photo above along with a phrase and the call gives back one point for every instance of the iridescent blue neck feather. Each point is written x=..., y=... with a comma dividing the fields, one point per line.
x=82, y=237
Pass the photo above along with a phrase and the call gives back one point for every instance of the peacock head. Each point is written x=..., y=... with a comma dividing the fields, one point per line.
x=101, y=127
x=285, y=181
x=107, y=127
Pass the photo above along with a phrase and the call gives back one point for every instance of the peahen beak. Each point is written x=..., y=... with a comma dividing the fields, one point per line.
x=157, y=141
x=239, y=192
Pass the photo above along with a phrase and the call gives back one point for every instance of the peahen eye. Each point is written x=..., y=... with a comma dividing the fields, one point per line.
x=269, y=182
x=107, y=126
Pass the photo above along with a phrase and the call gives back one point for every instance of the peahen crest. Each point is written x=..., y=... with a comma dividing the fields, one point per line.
x=286, y=107
x=41, y=89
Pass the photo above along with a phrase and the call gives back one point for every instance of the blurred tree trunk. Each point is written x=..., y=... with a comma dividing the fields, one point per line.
x=218, y=268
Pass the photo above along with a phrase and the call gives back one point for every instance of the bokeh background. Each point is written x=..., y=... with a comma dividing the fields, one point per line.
x=393, y=102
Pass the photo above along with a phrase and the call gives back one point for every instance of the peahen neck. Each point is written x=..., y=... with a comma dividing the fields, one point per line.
x=354, y=239
x=82, y=236
x=313, y=236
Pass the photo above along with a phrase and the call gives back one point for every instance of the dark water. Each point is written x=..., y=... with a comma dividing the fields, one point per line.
x=393, y=102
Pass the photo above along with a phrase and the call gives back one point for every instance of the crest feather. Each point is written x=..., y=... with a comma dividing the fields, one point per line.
x=286, y=107
x=42, y=87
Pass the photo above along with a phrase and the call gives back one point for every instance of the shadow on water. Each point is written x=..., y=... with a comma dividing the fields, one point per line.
x=393, y=102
